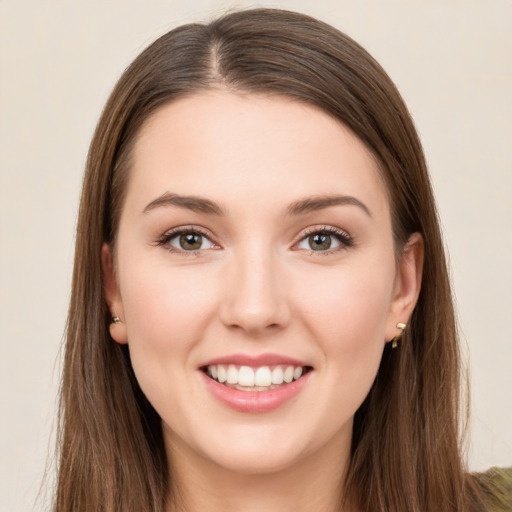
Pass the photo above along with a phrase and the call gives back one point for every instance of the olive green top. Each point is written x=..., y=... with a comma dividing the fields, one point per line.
x=497, y=486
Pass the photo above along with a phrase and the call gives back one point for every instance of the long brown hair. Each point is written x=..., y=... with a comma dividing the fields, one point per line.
x=405, y=450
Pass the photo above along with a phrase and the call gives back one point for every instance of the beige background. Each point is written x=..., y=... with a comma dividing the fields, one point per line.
x=59, y=60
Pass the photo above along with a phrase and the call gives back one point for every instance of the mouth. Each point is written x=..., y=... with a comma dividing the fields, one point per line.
x=255, y=378
x=255, y=383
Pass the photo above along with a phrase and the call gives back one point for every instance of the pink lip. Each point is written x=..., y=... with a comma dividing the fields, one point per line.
x=254, y=401
x=255, y=360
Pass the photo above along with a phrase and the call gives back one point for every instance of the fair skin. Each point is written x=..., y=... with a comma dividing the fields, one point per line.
x=262, y=275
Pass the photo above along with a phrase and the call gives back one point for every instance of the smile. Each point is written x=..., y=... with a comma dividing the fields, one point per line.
x=255, y=384
x=262, y=378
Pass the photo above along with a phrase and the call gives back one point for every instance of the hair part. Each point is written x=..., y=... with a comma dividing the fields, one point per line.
x=405, y=450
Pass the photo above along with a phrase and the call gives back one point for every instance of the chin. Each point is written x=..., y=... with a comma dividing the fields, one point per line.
x=255, y=460
x=245, y=450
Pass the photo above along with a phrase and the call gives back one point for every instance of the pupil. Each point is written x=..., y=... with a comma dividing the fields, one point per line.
x=320, y=242
x=191, y=241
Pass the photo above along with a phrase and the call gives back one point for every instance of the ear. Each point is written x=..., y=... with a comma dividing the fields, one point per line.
x=407, y=285
x=112, y=296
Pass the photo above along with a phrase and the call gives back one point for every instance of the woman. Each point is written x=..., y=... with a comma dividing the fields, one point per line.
x=261, y=316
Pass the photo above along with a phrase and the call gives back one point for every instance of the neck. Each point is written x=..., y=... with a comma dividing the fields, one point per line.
x=315, y=483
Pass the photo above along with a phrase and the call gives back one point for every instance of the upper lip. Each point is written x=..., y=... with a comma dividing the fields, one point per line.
x=267, y=359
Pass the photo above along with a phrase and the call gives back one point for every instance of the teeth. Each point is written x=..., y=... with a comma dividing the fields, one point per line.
x=288, y=374
x=221, y=373
x=277, y=375
x=260, y=378
x=263, y=376
x=232, y=374
x=246, y=376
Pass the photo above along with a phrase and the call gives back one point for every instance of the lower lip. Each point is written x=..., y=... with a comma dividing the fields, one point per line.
x=255, y=401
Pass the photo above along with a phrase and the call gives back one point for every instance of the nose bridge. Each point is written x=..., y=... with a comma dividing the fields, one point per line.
x=255, y=300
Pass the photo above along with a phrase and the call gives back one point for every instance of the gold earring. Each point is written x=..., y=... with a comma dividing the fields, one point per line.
x=396, y=339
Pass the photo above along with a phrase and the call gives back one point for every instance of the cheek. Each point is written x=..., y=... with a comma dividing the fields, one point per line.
x=166, y=311
x=344, y=312
x=347, y=315
x=347, y=310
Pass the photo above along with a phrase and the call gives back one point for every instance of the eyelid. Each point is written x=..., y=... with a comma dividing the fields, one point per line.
x=344, y=238
x=166, y=237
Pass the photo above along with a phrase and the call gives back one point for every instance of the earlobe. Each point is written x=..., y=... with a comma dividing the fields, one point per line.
x=112, y=296
x=407, y=285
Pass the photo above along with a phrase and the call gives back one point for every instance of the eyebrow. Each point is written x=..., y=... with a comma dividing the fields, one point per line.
x=193, y=203
x=310, y=204
x=202, y=205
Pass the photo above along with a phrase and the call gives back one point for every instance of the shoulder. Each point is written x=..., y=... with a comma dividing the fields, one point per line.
x=496, y=485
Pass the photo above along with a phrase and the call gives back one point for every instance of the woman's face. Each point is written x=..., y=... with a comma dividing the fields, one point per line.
x=255, y=237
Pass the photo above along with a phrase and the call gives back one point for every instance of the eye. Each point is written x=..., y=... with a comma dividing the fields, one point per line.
x=186, y=240
x=325, y=240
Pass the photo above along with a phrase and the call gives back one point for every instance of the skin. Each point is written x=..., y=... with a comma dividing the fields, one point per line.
x=256, y=286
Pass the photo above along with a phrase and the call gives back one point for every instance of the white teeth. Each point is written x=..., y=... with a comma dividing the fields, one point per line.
x=232, y=374
x=288, y=374
x=261, y=378
x=221, y=373
x=246, y=376
x=277, y=375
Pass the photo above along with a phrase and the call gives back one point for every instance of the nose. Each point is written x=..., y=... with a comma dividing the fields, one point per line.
x=255, y=297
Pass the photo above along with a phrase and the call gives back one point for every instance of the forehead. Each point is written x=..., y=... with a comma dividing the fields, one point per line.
x=233, y=148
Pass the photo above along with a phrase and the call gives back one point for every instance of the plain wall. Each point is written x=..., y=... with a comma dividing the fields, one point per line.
x=58, y=62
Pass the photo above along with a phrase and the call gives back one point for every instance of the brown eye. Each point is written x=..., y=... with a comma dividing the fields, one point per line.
x=186, y=241
x=328, y=239
x=320, y=242
x=190, y=241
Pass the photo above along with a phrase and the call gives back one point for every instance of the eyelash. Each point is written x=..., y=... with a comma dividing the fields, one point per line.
x=164, y=240
x=344, y=239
